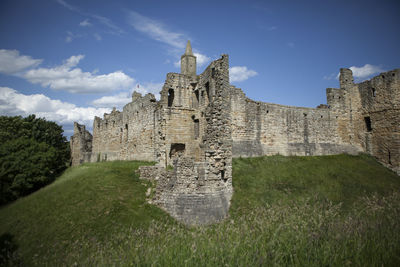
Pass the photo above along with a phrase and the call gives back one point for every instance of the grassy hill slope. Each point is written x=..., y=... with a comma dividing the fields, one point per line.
x=332, y=210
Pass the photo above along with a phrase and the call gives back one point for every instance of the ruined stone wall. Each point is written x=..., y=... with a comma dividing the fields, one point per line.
x=201, y=122
x=81, y=145
x=266, y=129
x=175, y=126
x=138, y=124
x=218, y=133
x=198, y=191
x=378, y=117
x=186, y=194
x=127, y=135
x=107, y=137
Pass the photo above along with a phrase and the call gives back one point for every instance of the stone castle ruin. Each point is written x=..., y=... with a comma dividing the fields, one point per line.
x=202, y=121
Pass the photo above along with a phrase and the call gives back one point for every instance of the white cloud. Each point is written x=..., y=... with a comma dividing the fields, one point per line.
x=359, y=73
x=107, y=22
x=12, y=62
x=114, y=29
x=201, y=59
x=65, y=4
x=159, y=32
x=331, y=76
x=272, y=28
x=97, y=37
x=69, y=78
x=117, y=101
x=85, y=23
x=365, y=71
x=156, y=30
x=13, y=103
x=149, y=87
x=123, y=98
x=240, y=73
x=71, y=36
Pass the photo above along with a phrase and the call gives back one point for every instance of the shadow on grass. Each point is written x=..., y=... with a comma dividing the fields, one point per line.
x=8, y=251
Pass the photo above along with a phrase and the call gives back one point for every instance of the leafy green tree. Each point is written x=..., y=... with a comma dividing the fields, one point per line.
x=33, y=152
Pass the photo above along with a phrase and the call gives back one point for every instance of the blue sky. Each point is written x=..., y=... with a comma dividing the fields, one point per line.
x=70, y=60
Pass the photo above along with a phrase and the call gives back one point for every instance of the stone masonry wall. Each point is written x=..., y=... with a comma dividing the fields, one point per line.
x=127, y=135
x=174, y=129
x=81, y=145
x=199, y=189
x=376, y=122
x=266, y=129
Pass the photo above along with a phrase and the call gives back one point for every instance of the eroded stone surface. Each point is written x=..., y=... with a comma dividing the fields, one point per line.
x=201, y=122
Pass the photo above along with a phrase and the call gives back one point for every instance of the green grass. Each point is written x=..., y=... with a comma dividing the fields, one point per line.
x=306, y=211
x=340, y=179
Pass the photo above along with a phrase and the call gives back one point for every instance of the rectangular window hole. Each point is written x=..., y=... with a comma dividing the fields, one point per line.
x=368, y=124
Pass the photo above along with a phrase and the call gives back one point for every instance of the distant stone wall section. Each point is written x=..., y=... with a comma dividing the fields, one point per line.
x=126, y=135
x=269, y=129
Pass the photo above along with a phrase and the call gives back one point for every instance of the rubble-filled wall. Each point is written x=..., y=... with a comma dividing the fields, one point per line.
x=199, y=189
x=369, y=113
x=81, y=145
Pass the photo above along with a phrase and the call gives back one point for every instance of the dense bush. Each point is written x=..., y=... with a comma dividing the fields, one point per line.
x=33, y=152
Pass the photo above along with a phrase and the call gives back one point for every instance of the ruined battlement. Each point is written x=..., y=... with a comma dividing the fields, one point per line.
x=202, y=121
x=140, y=102
x=81, y=145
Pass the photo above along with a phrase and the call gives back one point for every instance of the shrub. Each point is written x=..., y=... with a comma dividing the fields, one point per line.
x=32, y=153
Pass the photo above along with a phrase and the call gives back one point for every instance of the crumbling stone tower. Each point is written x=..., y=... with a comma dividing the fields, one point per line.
x=193, y=134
